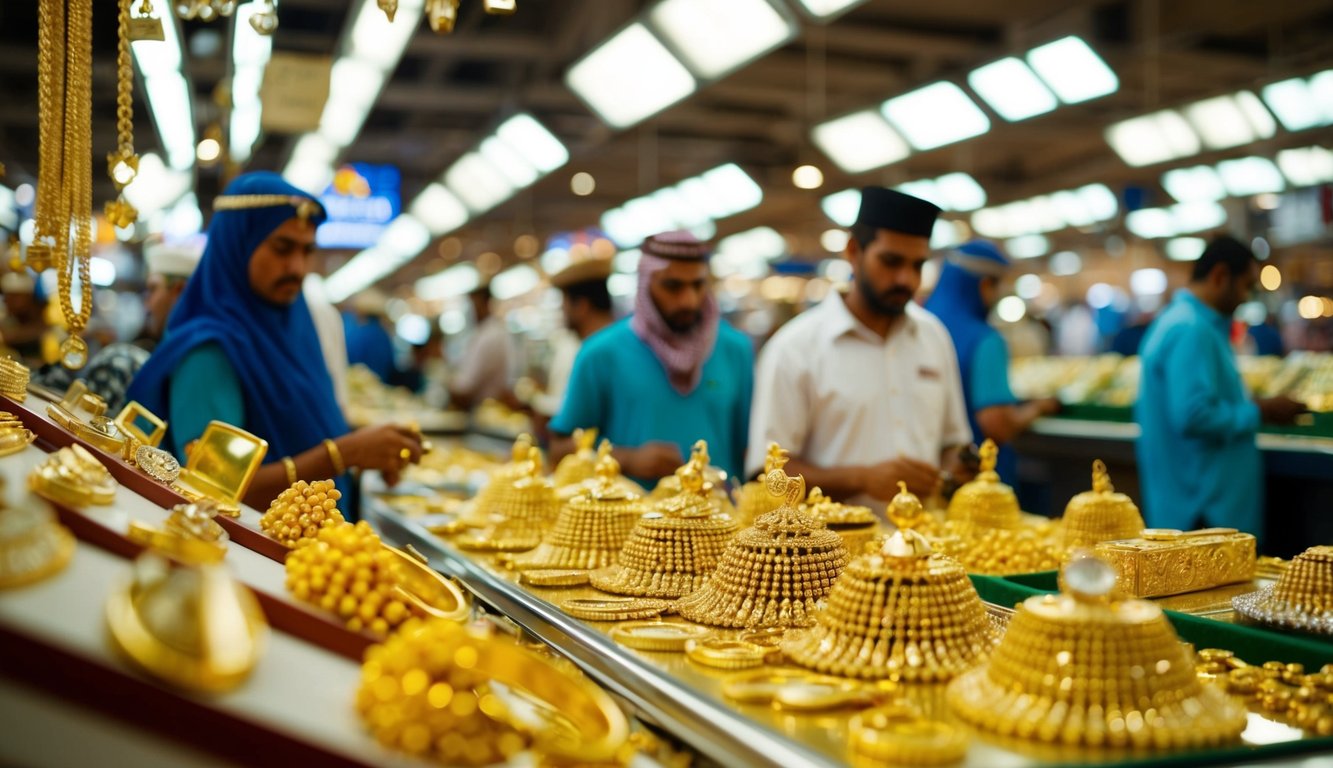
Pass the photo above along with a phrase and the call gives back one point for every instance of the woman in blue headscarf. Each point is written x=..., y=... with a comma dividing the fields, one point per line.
x=968, y=287
x=241, y=348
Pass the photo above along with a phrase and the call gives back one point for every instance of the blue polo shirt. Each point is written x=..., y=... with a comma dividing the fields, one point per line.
x=1197, y=455
x=620, y=387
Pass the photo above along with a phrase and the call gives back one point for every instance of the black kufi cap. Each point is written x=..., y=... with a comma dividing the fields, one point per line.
x=890, y=209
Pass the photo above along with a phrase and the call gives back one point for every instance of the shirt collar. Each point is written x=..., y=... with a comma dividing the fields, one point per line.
x=1211, y=315
x=839, y=321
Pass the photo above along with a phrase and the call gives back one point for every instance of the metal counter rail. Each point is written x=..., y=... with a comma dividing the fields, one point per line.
x=705, y=724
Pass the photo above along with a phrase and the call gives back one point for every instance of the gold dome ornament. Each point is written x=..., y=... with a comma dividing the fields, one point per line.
x=462, y=695
x=1082, y=670
x=521, y=516
x=33, y=545
x=898, y=612
x=672, y=549
x=755, y=500
x=1100, y=514
x=714, y=477
x=72, y=477
x=492, y=493
x=591, y=529
x=582, y=463
x=986, y=502
x=194, y=627
x=1301, y=599
x=773, y=574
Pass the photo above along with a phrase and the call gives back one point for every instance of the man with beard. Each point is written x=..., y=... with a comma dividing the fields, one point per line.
x=863, y=389
x=672, y=373
x=968, y=288
x=1198, y=461
x=241, y=348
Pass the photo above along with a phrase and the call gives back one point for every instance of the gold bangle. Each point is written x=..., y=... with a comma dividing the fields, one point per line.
x=291, y=470
x=614, y=608
x=14, y=377
x=725, y=654
x=335, y=456
x=554, y=578
x=656, y=635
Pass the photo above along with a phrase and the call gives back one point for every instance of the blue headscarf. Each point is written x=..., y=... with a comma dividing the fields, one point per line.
x=274, y=350
x=956, y=301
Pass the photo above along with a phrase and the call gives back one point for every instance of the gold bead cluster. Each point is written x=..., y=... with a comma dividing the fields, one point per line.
x=1003, y=551
x=1095, y=675
x=588, y=535
x=1285, y=690
x=345, y=569
x=301, y=512
x=421, y=692
x=1307, y=583
x=912, y=619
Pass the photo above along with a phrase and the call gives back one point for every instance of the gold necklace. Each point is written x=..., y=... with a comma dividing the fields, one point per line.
x=51, y=127
x=123, y=164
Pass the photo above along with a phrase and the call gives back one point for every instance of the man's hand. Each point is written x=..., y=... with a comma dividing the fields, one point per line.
x=1047, y=406
x=653, y=459
x=1280, y=409
x=387, y=448
x=881, y=480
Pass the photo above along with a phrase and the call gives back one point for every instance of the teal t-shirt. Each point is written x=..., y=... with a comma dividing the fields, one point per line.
x=619, y=386
x=988, y=383
x=204, y=387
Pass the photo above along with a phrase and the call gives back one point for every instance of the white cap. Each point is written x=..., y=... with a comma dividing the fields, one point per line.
x=170, y=260
x=17, y=282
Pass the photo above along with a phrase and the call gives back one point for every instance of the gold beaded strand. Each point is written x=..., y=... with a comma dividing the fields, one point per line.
x=123, y=164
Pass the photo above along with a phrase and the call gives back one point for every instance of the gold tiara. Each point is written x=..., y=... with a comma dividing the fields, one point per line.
x=305, y=207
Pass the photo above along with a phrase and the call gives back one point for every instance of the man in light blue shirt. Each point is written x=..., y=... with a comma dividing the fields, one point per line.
x=669, y=375
x=1198, y=461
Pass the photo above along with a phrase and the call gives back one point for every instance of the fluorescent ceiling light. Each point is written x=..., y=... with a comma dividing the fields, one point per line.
x=517, y=170
x=377, y=40
x=9, y=217
x=842, y=207
x=1153, y=138
x=716, y=38
x=439, y=209
x=682, y=209
x=454, y=281
x=1027, y=246
x=960, y=191
x=1012, y=89
x=311, y=177
x=1066, y=263
x=479, y=184
x=514, y=282
x=1185, y=248
x=991, y=222
x=1073, y=70
x=362, y=270
x=1229, y=121
x=1250, y=176
x=314, y=148
x=1148, y=282
x=406, y=236
x=1197, y=184
x=169, y=96
x=1196, y=217
x=760, y=243
x=357, y=81
x=1307, y=166
x=1149, y=223
x=341, y=122
x=629, y=77
x=156, y=187
x=249, y=48
x=1072, y=209
x=733, y=189
x=923, y=189
x=936, y=115
x=1101, y=201
x=944, y=235
x=533, y=142
x=1298, y=104
x=826, y=10
x=860, y=141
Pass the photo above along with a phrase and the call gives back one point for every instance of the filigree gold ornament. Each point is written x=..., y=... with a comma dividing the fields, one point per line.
x=33, y=545
x=526, y=511
x=1161, y=561
x=1301, y=599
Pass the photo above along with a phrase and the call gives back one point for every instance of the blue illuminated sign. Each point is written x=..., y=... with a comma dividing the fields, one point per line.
x=361, y=202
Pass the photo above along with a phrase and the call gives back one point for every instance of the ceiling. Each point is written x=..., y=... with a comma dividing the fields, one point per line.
x=449, y=91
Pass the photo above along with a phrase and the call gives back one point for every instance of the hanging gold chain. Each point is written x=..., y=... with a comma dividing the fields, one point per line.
x=78, y=183
x=51, y=131
x=123, y=164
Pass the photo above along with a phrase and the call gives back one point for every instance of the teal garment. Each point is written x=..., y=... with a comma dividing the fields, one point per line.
x=204, y=388
x=619, y=386
x=1196, y=452
x=987, y=385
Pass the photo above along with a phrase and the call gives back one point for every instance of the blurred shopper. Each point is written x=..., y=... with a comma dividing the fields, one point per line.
x=863, y=389
x=22, y=327
x=483, y=373
x=586, y=308
x=332, y=335
x=1197, y=457
x=109, y=373
x=672, y=373
x=968, y=288
x=368, y=340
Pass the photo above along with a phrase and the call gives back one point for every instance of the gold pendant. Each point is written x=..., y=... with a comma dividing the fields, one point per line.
x=120, y=213
x=265, y=22
x=500, y=7
x=39, y=256
x=74, y=353
x=146, y=28
x=390, y=7
x=442, y=15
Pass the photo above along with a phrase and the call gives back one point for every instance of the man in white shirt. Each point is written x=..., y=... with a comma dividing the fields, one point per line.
x=586, y=309
x=864, y=389
x=484, y=370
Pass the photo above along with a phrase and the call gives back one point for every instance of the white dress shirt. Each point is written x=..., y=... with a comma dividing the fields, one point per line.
x=486, y=366
x=832, y=392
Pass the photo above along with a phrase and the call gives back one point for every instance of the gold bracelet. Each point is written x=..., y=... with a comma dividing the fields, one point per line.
x=291, y=470
x=182, y=548
x=335, y=456
x=14, y=379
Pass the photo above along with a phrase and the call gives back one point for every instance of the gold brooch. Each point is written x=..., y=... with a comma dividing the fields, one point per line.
x=157, y=464
x=72, y=477
x=33, y=545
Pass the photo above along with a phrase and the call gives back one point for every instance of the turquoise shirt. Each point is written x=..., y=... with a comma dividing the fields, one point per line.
x=619, y=386
x=987, y=386
x=1197, y=455
x=204, y=387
